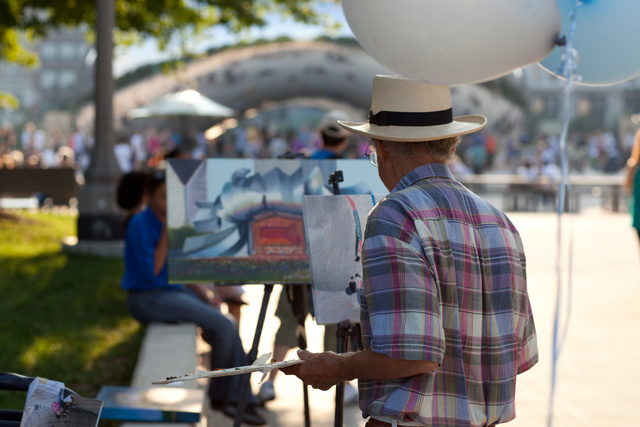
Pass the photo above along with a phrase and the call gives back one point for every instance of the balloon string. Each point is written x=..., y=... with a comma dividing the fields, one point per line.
x=568, y=67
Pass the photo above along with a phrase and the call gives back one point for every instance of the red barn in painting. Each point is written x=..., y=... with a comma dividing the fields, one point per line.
x=277, y=233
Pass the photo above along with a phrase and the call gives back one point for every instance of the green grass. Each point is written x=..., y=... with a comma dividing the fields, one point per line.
x=62, y=316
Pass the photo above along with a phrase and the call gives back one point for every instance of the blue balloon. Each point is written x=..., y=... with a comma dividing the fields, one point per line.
x=607, y=38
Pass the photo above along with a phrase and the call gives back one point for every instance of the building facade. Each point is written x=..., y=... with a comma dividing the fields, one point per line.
x=61, y=82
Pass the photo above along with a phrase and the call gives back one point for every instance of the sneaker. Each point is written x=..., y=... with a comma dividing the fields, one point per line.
x=250, y=415
x=350, y=394
x=266, y=393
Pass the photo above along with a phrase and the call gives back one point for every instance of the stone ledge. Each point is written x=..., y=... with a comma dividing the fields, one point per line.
x=166, y=350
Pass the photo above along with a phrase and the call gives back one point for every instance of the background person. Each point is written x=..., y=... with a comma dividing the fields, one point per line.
x=123, y=154
x=445, y=316
x=632, y=182
x=334, y=138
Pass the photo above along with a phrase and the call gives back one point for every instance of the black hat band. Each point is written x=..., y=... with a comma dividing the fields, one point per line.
x=396, y=118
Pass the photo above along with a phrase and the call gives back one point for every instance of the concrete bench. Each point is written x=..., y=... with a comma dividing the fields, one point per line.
x=166, y=350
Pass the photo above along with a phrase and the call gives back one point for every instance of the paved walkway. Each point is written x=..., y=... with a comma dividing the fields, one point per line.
x=597, y=374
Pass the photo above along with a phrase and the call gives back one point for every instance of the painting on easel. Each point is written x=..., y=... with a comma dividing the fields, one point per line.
x=334, y=226
x=239, y=221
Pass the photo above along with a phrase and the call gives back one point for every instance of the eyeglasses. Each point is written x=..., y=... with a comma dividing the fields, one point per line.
x=371, y=154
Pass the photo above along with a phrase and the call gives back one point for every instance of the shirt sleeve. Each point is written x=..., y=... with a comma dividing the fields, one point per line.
x=527, y=337
x=528, y=348
x=402, y=301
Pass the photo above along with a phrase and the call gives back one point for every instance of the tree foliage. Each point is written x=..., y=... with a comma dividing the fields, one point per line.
x=8, y=102
x=141, y=19
x=12, y=50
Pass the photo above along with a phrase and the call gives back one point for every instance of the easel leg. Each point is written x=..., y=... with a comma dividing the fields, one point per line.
x=346, y=331
x=253, y=355
x=307, y=413
x=342, y=334
x=299, y=297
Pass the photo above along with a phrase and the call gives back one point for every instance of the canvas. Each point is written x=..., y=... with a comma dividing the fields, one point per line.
x=240, y=221
x=334, y=227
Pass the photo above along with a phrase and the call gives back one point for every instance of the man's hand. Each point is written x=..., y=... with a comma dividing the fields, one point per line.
x=320, y=370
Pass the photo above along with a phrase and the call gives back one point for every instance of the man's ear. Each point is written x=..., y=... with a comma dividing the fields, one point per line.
x=381, y=150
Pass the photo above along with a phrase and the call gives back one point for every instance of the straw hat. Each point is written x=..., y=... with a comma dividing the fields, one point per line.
x=408, y=110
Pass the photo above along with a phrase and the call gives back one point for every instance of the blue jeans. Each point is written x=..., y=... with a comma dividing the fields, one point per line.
x=182, y=305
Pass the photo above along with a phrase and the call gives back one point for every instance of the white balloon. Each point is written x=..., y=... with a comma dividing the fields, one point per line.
x=454, y=41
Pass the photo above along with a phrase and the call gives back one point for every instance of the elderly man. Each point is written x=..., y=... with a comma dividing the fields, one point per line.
x=445, y=315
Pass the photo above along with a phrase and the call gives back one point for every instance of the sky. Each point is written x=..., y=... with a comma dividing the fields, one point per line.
x=132, y=58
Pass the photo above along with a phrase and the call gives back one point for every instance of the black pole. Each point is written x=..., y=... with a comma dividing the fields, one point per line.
x=253, y=355
x=299, y=294
x=342, y=334
x=99, y=217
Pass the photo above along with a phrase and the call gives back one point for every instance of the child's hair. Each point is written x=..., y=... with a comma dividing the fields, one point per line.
x=131, y=189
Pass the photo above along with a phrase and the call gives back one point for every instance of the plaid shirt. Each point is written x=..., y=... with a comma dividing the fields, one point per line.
x=444, y=280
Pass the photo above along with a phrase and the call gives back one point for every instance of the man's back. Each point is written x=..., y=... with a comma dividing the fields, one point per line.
x=445, y=281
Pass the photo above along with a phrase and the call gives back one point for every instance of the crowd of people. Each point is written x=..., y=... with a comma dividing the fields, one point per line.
x=596, y=152
x=145, y=147
x=34, y=147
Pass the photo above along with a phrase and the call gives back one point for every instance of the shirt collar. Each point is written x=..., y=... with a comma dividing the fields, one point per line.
x=430, y=170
